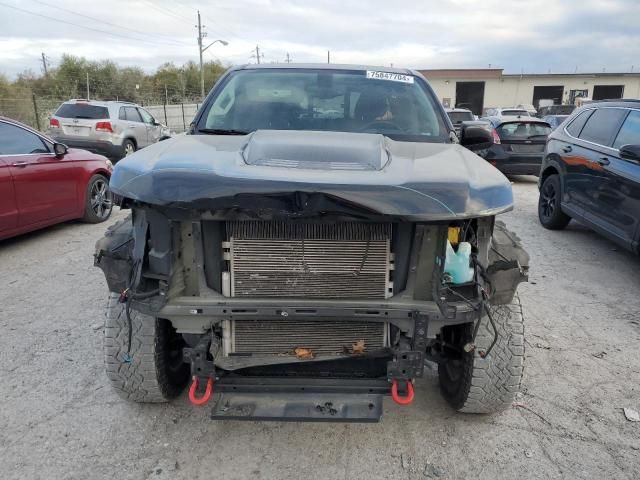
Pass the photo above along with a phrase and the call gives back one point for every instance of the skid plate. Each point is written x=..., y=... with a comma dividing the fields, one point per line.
x=298, y=407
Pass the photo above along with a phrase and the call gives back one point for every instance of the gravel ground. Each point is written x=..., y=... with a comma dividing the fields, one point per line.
x=59, y=418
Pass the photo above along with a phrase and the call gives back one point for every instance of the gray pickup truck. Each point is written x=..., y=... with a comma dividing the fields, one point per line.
x=318, y=235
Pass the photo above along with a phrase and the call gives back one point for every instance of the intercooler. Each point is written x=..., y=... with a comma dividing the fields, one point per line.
x=283, y=259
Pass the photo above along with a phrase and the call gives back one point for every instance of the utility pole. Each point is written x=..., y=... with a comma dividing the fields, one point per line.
x=257, y=55
x=44, y=65
x=200, y=51
x=328, y=56
x=288, y=60
x=87, y=85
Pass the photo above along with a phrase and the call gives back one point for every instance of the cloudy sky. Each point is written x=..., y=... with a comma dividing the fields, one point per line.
x=517, y=35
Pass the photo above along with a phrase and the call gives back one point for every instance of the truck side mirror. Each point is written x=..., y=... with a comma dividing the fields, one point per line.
x=475, y=137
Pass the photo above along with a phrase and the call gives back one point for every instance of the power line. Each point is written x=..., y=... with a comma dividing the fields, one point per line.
x=168, y=12
x=211, y=22
x=161, y=37
x=76, y=25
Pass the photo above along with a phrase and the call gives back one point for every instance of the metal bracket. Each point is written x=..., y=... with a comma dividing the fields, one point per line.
x=406, y=366
x=420, y=331
x=197, y=357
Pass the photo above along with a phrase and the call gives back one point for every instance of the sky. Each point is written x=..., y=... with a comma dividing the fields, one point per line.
x=530, y=36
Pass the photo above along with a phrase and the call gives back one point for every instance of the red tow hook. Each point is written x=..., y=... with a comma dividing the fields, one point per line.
x=207, y=393
x=402, y=400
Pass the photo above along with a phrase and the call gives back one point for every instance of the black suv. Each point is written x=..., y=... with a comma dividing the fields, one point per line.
x=591, y=172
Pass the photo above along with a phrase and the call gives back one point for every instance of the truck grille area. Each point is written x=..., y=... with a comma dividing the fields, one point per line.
x=282, y=259
x=325, y=337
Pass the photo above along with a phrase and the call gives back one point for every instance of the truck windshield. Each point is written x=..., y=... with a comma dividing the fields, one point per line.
x=395, y=105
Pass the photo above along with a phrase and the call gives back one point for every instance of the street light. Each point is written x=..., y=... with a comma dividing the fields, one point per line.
x=223, y=42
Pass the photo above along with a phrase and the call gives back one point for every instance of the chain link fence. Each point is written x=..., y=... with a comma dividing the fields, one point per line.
x=36, y=112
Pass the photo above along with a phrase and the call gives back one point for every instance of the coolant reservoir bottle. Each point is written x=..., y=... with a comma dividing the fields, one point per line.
x=457, y=264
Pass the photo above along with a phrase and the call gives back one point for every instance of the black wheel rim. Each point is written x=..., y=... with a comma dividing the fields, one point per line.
x=100, y=199
x=548, y=200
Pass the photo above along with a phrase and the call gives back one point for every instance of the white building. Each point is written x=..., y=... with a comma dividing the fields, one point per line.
x=484, y=88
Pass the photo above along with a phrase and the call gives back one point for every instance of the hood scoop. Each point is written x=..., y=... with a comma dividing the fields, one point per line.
x=316, y=150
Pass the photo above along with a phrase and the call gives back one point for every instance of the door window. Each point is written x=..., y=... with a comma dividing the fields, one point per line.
x=132, y=115
x=602, y=125
x=630, y=132
x=146, y=116
x=18, y=141
x=576, y=125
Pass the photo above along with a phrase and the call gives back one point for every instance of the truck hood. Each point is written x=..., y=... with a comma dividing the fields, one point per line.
x=369, y=172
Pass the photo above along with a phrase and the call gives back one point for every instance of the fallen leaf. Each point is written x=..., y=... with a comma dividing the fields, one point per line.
x=599, y=355
x=631, y=414
x=303, y=353
x=358, y=347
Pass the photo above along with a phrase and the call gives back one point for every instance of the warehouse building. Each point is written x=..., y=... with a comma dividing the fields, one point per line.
x=478, y=89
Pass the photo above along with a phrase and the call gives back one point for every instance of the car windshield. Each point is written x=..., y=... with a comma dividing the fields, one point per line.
x=82, y=110
x=523, y=130
x=515, y=112
x=459, y=117
x=398, y=106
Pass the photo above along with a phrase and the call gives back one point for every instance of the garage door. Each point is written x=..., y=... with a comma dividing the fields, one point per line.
x=553, y=92
x=607, y=92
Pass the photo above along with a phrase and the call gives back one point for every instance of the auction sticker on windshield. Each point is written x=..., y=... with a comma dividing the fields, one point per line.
x=394, y=77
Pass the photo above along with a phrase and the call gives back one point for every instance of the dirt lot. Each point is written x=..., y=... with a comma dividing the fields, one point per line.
x=59, y=419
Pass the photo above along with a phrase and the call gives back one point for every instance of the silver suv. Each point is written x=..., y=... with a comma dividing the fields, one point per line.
x=114, y=129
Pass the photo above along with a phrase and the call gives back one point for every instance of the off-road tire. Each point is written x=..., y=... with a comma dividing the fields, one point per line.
x=106, y=202
x=151, y=372
x=550, y=212
x=473, y=384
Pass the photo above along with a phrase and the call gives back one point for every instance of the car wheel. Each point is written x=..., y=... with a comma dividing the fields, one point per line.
x=151, y=370
x=472, y=382
x=549, y=211
x=98, y=203
x=128, y=147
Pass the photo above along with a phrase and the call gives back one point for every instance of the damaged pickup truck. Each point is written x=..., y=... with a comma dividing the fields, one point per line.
x=319, y=233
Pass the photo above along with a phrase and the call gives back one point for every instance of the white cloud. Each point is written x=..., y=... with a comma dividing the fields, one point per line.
x=529, y=35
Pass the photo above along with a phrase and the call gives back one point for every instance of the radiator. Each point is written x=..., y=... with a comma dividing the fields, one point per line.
x=324, y=337
x=283, y=259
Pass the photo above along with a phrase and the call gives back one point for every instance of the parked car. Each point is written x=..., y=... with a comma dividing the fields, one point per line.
x=529, y=108
x=309, y=264
x=518, y=144
x=505, y=112
x=459, y=115
x=113, y=129
x=591, y=172
x=43, y=183
x=556, y=110
x=554, y=120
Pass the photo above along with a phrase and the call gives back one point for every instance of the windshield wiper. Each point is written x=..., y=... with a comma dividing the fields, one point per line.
x=534, y=136
x=221, y=131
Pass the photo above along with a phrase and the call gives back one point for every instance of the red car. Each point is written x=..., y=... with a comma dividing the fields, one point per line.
x=43, y=182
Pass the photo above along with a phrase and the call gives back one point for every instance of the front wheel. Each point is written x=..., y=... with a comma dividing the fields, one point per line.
x=549, y=211
x=98, y=202
x=472, y=383
x=152, y=369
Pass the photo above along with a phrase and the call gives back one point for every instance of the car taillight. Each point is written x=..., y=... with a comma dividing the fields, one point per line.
x=104, y=127
x=496, y=137
x=54, y=123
